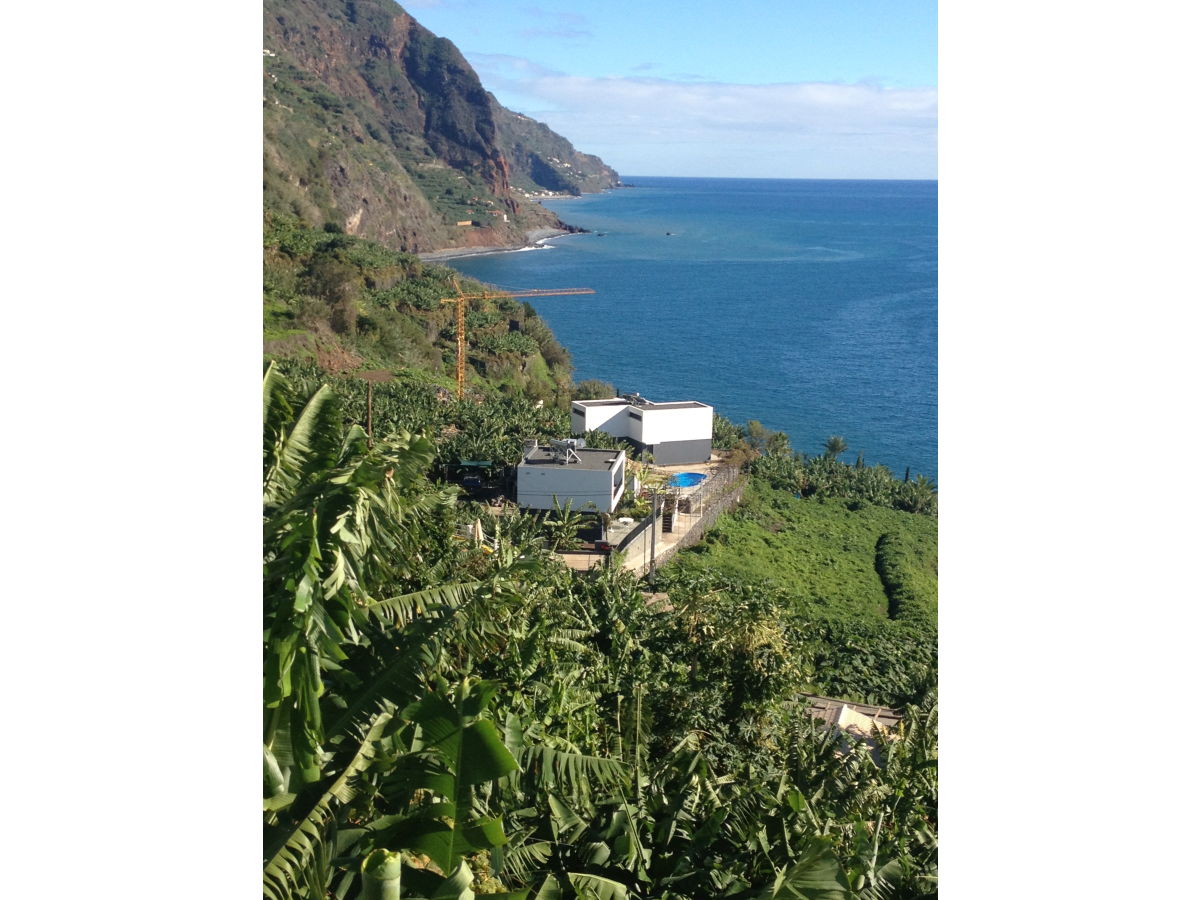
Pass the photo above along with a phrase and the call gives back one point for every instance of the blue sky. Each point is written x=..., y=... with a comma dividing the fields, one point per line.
x=764, y=88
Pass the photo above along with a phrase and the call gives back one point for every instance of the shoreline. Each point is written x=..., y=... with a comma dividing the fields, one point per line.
x=534, y=238
x=534, y=241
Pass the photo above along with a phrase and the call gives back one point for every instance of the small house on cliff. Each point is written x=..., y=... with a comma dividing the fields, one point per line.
x=675, y=433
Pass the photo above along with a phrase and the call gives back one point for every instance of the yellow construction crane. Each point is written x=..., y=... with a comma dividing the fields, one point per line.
x=461, y=318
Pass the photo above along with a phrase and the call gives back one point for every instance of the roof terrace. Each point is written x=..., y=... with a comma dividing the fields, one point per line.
x=589, y=458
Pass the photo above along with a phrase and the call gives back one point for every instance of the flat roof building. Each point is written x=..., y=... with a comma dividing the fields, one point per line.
x=587, y=479
x=674, y=433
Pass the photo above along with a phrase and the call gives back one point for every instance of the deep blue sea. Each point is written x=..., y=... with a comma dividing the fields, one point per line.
x=808, y=305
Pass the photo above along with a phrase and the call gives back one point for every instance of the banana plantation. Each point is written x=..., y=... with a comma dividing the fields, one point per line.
x=445, y=718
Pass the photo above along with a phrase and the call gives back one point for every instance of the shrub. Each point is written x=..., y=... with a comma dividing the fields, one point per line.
x=594, y=389
x=726, y=435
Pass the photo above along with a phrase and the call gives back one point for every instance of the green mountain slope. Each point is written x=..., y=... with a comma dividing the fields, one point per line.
x=543, y=160
x=372, y=123
x=351, y=305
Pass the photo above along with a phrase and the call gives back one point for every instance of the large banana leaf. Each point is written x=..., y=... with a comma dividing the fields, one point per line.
x=288, y=856
x=591, y=887
x=454, y=751
x=816, y=875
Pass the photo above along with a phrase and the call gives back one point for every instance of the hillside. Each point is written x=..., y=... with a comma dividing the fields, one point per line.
x=863, y=575
x=352, y=305
x=824, y=553
x=543, y=160
x=374, y=124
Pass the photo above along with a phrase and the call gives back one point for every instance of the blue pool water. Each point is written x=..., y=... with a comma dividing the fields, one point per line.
x=686, y=479
x=810, y=306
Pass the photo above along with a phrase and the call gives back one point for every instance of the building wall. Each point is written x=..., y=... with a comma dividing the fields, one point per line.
x=633, y=426
x=610, y=419
x=637, y=548
x=677, y=453
x=689, y=427
x=686, y=424
x=537, y=486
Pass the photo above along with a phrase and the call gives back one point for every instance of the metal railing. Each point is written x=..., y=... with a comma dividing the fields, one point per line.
x=712, y=500
x=717, y=494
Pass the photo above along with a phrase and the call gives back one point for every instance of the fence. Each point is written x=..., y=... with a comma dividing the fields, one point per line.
x=695, y=511
x=724, y=493
x=695, y=501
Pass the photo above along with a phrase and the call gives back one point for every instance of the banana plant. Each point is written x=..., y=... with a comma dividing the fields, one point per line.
x=340, y=519
x=433, y=765
x=562, y=529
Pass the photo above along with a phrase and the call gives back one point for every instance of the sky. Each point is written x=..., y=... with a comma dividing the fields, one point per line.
x=757, y=89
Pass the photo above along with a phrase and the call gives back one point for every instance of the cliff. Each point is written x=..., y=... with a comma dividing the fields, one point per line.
x=543, y=160
x=374, y=124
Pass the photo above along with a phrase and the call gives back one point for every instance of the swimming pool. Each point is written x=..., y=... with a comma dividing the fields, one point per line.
x=686, y=479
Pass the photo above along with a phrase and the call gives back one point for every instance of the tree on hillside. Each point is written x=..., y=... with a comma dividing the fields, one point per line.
x=593, y=389
x=757, y=435
x=835, y=446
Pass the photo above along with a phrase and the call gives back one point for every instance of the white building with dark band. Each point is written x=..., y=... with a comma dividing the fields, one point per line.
x=675, y=433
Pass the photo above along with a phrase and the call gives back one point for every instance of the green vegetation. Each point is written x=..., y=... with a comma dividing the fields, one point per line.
x=353, y=305
x=907, y=564
x=823, y=553
x=489, y=426
x=594, y=389
x=851, y=549
x=475, y=717
x=835, y=446
x=863, y=578
x=443, y=718
x=823, y=477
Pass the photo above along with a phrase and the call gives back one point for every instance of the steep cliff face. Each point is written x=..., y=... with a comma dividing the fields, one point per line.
x=543, y=160
x=375, y=124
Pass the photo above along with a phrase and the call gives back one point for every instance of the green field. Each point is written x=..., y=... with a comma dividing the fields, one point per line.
x=823, y=553
x=858, y=587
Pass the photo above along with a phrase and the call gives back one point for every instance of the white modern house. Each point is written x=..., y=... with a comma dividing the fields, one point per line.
x=675, y=433
x=587, y=479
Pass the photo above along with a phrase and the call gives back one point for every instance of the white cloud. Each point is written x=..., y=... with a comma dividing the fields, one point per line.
x=784, y=130
x=556, y=25
x=559, y=32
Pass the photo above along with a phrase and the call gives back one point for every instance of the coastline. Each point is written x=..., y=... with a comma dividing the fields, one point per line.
x=533, y=238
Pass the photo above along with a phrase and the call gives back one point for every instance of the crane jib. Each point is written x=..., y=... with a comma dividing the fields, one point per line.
x=460, y=319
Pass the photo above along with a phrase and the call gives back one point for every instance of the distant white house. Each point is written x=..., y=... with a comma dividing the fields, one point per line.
x=675, y=433
x=587, y=479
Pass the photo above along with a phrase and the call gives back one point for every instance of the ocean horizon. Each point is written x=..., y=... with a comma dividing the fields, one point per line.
x=809, y=305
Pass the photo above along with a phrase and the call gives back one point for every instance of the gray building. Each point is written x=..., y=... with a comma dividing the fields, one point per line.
x=587, y=479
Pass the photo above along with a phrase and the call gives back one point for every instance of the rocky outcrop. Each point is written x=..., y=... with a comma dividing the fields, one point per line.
x=373, y=123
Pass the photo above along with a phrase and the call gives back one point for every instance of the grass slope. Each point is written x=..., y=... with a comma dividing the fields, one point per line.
x=823, y=552
x=863, y=576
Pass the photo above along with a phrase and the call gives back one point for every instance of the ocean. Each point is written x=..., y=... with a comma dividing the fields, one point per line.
x=810, y=306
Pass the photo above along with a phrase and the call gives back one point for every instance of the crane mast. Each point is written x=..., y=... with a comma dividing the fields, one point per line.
x=460, y=319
